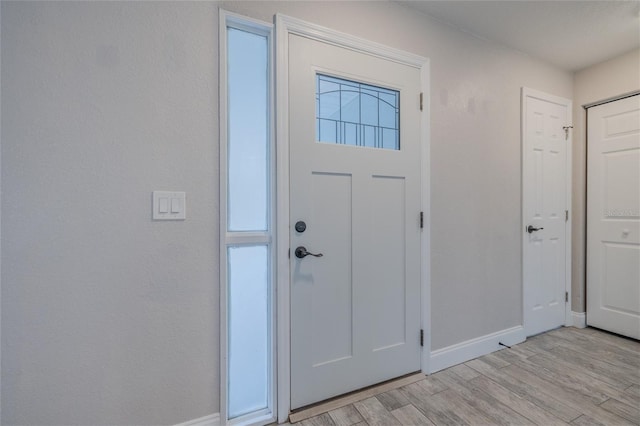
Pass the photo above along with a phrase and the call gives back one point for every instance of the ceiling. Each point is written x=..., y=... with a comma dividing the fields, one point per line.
x=571, y=35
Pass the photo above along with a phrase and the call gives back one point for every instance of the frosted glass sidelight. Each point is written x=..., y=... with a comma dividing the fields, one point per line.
x=356, y=114
x=249, y=329
x=248, y=143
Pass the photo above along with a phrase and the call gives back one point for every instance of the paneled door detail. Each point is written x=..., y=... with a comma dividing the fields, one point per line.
x=546, y=136
x=613, y=217
x=355, y=197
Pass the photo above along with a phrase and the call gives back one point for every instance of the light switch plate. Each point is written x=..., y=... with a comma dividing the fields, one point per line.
x=169, y=205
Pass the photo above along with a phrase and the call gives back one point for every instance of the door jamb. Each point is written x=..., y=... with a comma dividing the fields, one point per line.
x=285, y=26
x=527, y=92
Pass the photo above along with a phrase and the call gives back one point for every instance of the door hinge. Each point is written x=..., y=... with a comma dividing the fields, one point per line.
x=566, y=215
x=421, y=100
x=566, y=131
x=421, y=220
x=566, y=297
x=421, y=337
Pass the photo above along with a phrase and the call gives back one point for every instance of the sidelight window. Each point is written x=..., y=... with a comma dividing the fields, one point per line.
x=246, y=197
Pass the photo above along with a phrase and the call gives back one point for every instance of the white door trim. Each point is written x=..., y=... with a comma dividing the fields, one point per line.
x=611, y=99
x=527, y=92
x=285, y=26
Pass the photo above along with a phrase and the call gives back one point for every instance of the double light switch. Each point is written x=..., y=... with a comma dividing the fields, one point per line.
x=169, y=205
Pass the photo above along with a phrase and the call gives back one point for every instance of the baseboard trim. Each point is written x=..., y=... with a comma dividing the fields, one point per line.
x=210, y=420
x=579, y=319
x=474, y=348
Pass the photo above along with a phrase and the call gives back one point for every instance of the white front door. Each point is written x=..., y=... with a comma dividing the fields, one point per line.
x=355, y=170
x=613, y=217
x=545, y=210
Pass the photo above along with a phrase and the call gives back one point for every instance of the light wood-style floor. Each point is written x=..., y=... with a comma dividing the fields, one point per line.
x=566, y=376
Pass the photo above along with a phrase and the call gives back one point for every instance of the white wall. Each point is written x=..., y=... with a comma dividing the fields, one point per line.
x=599, y=82
x=0, y=219
x=108, y=317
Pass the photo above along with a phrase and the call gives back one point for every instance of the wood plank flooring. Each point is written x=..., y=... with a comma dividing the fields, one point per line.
x=565, y=376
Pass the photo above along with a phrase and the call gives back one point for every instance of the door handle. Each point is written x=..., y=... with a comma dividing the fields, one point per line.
x=530, y=229
x=301, y=252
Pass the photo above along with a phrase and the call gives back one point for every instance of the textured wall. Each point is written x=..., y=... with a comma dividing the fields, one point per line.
x=615, y=77
x=108, y=317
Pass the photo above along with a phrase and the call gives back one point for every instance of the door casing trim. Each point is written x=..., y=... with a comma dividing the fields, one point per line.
x=285, y=26
x=527, y=92
x=611, y=99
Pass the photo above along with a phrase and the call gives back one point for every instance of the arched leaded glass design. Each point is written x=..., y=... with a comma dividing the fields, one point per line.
x=356, y=114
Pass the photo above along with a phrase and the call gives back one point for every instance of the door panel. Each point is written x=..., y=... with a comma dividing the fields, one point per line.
x=388, y=226
x=355, y=311
x=544, y=205
x=331, y=328
x=613, y=217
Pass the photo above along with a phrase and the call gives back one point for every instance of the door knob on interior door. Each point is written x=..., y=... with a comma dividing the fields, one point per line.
x=301, y=252
x=530, y=229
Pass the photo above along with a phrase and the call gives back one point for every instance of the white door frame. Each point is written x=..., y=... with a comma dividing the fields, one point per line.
x=527, y=92
x=285, y=26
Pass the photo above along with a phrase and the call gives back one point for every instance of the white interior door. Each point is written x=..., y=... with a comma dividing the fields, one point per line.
x=545, y=209
x=613, y=217
x=355, y=173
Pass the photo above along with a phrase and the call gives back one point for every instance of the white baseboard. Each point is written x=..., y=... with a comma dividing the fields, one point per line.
x=579, y=319
x=474, y=348
x=210, y=420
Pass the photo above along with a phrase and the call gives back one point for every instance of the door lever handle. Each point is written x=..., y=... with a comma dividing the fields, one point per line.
x=301, y=252
x=530, y=229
